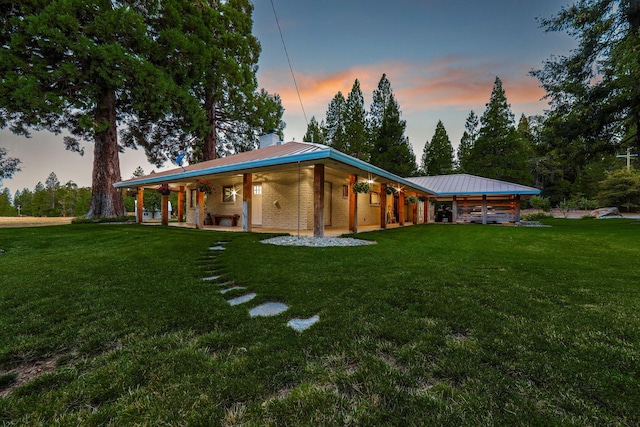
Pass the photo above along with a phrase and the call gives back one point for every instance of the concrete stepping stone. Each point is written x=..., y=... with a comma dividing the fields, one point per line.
x=233, y=288
x=217, y=248
x=241, y=299
x=268, y=309
x=211, y=278
x=303, y=324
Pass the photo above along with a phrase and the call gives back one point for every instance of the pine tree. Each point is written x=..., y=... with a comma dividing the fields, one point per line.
x=315, y=132
x=355, y=124
x=437, y=157
x=390, y=149
x=335, y=131
x=467, y=141
x=8, y=165
x=6, y=209
x=499, y=151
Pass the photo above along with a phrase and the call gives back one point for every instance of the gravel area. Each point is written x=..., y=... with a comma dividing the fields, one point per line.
x=319, y=242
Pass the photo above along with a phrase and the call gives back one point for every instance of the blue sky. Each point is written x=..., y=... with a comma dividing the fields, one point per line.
x=441, y=57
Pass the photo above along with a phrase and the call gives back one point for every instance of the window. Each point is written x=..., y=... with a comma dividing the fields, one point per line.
x=229, y=194
x=374, y=198
x=345, y=191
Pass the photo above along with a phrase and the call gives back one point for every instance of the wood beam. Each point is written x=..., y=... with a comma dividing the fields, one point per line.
x=181, y=204
x=353, y=204
x=140, y=205
x=164, y=207
x=454, y=210
x=199, y=209
x=401, y=207
x=518, y=204
x=383, y=205
x=247, y=193
x=318, y=200
x=484, y=209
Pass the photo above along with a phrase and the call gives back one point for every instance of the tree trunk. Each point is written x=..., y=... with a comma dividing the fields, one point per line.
x=106, y=201
x=210, y=140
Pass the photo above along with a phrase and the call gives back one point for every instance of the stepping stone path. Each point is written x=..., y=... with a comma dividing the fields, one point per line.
x=264, y=310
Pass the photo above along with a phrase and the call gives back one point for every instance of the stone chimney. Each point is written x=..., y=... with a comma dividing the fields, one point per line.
x=270, y=139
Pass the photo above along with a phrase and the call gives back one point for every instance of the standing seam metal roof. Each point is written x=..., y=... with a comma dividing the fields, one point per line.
x=465, y=184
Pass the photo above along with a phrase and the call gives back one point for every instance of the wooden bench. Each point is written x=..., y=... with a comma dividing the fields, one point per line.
x=233, y=218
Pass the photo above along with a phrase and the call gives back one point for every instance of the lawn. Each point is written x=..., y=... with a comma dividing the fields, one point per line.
x=433, y=325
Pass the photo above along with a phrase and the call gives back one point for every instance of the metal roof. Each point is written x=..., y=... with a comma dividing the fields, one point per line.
x=288, y=153
x=464, y=184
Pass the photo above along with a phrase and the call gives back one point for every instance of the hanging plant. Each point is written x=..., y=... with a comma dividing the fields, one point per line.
x=412, y=199
x=390, y=190
x=164, y=189
x=205, y=186
x=361, y=187
x=423, y=198
x=131, y=193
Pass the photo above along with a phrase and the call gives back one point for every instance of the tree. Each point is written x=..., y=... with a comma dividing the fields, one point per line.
x=437, y=156
x=621, y=188
x=335, y=131
x=390, y=148
x=23, y=199
x=8, y=165
x=52, y=184
x=499, y=151
x=355, y=124
x=231, y=114
x=315, y=132
x=6, y=209
x=467, y=141
x=594, y=92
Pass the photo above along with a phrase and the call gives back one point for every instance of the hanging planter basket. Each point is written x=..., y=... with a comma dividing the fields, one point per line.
x=361, y=187
x=205, y=186
x=423, y=198
x=164, y=189
x=131, y=193
x=390, y=190
x=412, y=199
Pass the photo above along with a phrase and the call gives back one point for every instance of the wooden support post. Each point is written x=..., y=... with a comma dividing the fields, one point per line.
x=200, y=209
x=484, y=209
x=247, y=192
x=414, y=211
x=353, y=204
x=164, y=207
x=140, y=206
x=425, y=210
x=517, y=202
x=400, y=207
x=181, y=204
x=318, y=200
x=383, y=205
x=454, y=210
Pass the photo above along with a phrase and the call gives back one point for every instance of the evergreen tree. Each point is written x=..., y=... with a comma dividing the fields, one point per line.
x=390, y=149
x=467, y=141
x=23, y=199
x=52, y=184
x=594, y=92
x=8, y=165
x=355, y=124
x=437, y=157
x=315, y=132
x=499, y=151
x=6, y=209
x=335, y=131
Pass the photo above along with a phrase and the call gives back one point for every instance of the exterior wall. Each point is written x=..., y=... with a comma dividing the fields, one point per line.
x=280, y=199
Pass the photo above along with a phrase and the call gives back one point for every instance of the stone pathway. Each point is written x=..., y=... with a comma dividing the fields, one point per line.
x=215, y=275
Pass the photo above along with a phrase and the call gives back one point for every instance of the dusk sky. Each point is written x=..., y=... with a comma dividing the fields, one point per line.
x=441, y=57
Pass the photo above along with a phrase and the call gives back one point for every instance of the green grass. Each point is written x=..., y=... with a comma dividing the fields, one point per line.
x=433, y=325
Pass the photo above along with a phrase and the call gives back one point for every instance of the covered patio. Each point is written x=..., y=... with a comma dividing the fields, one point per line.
x=297, y=187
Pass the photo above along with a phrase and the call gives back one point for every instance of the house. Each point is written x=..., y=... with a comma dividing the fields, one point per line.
x=294, y=186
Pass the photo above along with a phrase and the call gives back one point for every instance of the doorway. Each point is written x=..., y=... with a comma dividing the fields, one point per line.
x=256, y=205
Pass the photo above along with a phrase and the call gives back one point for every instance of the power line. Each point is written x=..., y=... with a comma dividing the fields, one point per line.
x=289, y=62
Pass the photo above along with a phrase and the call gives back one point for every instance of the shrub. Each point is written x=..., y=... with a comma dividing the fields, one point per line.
x=536, y=216
x=540, y=203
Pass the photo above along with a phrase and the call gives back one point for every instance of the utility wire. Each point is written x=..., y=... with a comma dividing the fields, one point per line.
x=289, y=61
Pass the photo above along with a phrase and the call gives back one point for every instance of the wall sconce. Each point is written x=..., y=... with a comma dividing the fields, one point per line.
x=276, y=204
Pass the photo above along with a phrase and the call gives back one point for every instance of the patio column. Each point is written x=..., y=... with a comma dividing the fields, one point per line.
x=199, y=209
x=517, y=208
x=247, y=192
x=181, y=204
x=318, y=200
x=353, y=204
x=414, y=211
x=425, y=210
x=401, y=207
x=484, y=209
x=165, y=209
x=140, y=205
x=383, y=205
x=454, y=210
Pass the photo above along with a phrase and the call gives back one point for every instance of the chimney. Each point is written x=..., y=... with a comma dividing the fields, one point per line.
x=270, y=139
